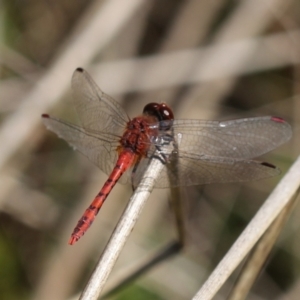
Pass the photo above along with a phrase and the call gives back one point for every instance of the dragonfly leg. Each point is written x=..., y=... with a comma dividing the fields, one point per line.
x=162, y=157
x=133, y=174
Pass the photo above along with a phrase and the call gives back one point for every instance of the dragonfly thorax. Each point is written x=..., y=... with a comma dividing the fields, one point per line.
x=138, y=135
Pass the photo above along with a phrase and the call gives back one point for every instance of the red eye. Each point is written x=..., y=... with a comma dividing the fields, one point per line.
x=161, y=111
x=166, y=112
x=151, y=109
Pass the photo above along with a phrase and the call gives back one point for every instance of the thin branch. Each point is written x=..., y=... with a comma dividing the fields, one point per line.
x=276, y=202
x=121, y=232
x=261, y=252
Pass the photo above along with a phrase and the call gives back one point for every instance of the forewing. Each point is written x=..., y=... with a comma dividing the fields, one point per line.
x=99, y=149
x=238, y=139
x=96, y=110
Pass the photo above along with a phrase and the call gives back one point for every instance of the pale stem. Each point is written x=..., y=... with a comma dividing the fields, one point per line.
x=261, y=252
x=275, y=203
x=121, y=232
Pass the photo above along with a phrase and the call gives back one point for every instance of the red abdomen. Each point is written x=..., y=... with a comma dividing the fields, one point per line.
x=126, y=159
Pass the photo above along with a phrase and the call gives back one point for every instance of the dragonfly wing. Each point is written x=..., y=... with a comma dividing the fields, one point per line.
x=238, y=139
x=212, y=170
x=96, y=110
x=99, y=149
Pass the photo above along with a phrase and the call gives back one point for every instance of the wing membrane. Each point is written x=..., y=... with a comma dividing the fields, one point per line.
x=99, y=149
x=213, y=170
x=96, y=110
x=238, y=139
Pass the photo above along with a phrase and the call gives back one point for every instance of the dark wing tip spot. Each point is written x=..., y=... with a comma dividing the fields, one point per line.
x=79, y=70
x=45, y=116
x=268, y=165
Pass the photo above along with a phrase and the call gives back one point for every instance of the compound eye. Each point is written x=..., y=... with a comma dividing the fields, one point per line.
x=165, y=112
x=162, y=113
x=151, y=109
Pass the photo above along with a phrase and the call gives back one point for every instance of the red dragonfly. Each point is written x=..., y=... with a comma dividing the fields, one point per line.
x=204, y=151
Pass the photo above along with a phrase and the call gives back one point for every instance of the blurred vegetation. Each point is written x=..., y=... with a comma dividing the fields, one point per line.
x=47, y=181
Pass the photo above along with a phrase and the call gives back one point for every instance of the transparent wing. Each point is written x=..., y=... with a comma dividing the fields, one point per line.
x=213, y=170
x=238, y=139
x=187, y=171
x=103, y=122
x=96, y=110
x=98, y=148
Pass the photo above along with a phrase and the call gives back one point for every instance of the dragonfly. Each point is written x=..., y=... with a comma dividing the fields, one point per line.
x=202, y=151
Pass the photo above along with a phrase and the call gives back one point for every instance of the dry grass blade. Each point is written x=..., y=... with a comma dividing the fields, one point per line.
x=121, y=232
x=260, y=253
x=276, y=202
x=269, y=52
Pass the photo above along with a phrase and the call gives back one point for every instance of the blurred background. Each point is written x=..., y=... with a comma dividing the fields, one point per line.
x=207, y=59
